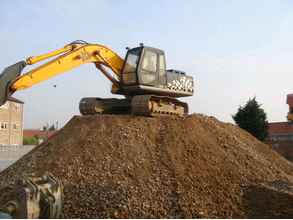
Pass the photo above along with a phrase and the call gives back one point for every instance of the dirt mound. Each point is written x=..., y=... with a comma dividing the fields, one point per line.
x=124, y=166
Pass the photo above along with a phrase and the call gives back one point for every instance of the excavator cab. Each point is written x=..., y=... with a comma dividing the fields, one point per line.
x=144, y=72
x=144, y=66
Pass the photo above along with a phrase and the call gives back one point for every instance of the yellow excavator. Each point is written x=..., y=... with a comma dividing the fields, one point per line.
x=149, y=88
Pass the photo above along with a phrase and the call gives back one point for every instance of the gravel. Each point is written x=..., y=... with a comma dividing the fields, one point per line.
x=138, y=167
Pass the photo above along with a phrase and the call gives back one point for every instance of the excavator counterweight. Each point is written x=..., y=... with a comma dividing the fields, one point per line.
x=149, y=88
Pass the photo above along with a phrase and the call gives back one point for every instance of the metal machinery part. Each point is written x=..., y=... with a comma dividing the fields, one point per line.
x=145, y=105
x=151, y=105
x=93, y=105
x=35, y=197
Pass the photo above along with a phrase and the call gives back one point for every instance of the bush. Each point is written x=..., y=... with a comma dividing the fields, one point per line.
x=30, y=141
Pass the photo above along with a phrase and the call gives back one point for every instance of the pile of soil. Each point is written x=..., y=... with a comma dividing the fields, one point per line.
x=139, y=167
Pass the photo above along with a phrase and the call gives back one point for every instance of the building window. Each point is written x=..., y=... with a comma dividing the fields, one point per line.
x=4, y=125
x=16, y=107
x=14, y=126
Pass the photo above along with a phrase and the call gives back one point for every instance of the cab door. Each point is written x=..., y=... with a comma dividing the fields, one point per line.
x=149, y=68
x=162, y=70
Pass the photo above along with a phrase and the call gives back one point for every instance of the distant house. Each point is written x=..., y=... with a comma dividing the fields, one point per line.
x=39, y=134
x=11, y=122
x=281, y=138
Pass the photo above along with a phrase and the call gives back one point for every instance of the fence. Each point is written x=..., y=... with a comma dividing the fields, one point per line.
x=10, y=154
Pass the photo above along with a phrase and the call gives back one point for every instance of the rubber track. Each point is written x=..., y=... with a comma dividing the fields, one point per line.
x=145, y=105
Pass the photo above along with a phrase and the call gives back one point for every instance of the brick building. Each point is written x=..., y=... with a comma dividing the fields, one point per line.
x=11, y=122
x=281, y=138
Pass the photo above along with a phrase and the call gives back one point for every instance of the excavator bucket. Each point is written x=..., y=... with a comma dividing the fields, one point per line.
x=7, y=77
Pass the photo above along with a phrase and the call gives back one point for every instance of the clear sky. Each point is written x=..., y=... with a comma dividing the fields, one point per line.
x=234, y=49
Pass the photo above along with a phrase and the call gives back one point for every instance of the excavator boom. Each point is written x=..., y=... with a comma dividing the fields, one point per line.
x=70, y=57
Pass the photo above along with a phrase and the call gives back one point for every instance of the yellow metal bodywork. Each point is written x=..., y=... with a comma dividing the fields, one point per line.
x=72, y=56
x=36, y=59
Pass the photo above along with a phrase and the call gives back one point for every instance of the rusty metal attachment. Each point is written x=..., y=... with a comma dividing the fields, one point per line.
x=36, y=197
x=7, y=77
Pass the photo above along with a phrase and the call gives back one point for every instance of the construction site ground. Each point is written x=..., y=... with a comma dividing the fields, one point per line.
x=165, y=167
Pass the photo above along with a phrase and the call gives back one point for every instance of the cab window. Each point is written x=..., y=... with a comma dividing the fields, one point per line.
x=132, y=61
x=162, y=65
x=149, y=62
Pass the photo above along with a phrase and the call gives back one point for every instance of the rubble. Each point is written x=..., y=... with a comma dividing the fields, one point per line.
x=138, y=167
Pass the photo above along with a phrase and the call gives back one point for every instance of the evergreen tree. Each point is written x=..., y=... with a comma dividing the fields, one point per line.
x=252, y=118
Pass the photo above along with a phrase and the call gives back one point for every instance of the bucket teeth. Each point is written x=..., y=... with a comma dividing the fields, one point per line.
x=7, y=77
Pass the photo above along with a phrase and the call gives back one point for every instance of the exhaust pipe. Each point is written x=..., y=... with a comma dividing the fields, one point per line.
x=7, y=77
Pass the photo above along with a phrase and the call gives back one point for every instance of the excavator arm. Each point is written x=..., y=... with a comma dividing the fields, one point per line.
x=66, y=58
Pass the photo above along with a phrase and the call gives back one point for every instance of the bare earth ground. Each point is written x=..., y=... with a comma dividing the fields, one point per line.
x=134, y=167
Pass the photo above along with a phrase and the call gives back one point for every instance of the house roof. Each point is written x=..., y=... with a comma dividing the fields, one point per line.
x=12, y=99
x=39, y=133
x=280, y=128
